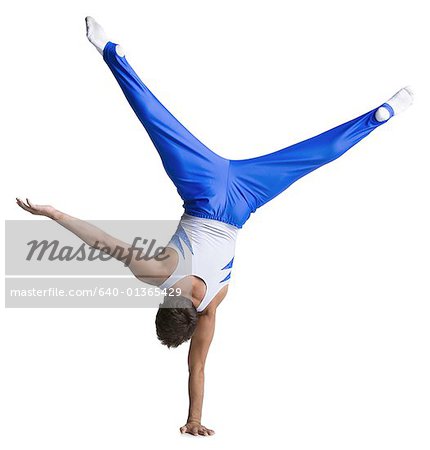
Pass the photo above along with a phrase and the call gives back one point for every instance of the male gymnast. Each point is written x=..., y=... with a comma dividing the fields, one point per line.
x=219, y=195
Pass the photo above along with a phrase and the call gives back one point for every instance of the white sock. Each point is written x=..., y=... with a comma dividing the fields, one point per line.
x=95, y=34
x=398, y=102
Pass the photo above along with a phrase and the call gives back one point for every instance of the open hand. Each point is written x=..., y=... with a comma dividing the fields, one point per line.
x=38, y=210
x=196, y=429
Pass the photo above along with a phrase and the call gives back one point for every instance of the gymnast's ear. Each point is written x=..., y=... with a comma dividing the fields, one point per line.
x=176, y=320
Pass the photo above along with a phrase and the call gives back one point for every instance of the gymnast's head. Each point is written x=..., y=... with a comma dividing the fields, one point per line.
x=176, y=320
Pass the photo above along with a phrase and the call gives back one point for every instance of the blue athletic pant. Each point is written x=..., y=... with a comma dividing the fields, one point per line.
x=218, y=188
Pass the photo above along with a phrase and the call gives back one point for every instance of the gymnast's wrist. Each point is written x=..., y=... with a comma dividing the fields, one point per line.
x=194, y=419
x=54, y=214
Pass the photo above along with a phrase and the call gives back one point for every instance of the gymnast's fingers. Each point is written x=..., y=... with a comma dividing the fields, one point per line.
x=23, y=205
x=202, y=432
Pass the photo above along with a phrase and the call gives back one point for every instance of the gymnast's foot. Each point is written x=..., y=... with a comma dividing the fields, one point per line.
x=398, y=103
x=97, y=36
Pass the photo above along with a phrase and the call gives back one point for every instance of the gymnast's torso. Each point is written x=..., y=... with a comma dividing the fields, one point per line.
x=205, y=249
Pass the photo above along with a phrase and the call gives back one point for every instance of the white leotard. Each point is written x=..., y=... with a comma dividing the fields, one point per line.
x=206, y=249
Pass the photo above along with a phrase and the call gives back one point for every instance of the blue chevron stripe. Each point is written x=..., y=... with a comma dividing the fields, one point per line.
x=229, y=265
x=183, y=235
x=226, y=278
x=177, y=242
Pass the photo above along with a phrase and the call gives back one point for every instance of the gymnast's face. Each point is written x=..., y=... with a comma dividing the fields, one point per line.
x=176, y=321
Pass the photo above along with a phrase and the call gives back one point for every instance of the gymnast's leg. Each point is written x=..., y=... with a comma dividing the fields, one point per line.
x=258, y=180
x=196, y=171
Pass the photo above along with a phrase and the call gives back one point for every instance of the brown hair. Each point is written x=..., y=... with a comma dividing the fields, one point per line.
x=176, y=320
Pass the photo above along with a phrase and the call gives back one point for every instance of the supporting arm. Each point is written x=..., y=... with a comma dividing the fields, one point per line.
x=199, y=347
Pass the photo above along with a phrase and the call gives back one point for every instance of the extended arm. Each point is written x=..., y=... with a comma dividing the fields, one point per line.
x=148, y=270
x=199, y=348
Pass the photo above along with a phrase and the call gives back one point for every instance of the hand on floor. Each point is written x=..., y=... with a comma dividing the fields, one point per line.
x=196, y=429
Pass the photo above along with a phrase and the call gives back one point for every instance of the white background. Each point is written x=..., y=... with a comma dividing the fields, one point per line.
x=323, y=341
